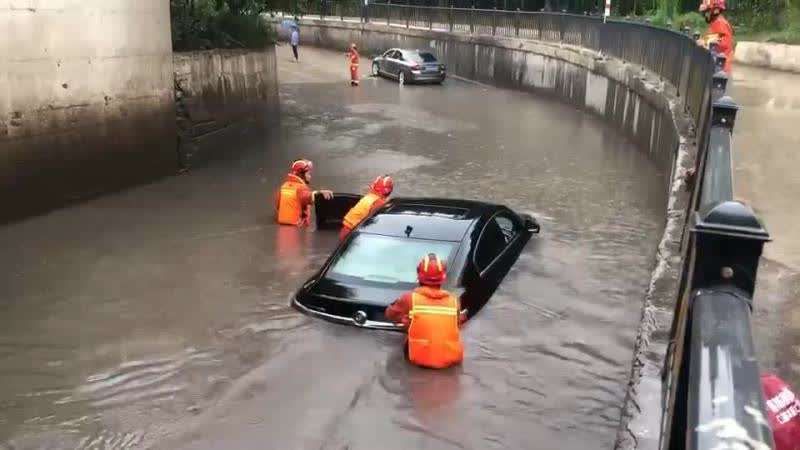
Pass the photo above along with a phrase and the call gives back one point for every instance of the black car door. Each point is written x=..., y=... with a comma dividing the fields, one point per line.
x=331, y=212
x=498, y=247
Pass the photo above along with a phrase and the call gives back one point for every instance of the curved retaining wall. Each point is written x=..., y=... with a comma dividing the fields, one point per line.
x=636, y=102
x=219, y=93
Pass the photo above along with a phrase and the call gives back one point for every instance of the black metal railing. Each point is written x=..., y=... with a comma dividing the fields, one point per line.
x=712, y=394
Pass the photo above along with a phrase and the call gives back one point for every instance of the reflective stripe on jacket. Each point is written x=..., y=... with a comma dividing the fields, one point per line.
x=434, y=339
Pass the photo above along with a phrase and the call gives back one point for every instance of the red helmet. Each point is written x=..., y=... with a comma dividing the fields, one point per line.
x=431, y=270
x=301, y=166
x=712, y=5
x=382, y=185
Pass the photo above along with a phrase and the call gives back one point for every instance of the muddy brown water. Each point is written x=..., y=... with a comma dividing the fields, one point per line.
x=158, y=317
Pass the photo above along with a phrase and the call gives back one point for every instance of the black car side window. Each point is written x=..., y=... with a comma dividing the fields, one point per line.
x=507, y=226
x=492, y=241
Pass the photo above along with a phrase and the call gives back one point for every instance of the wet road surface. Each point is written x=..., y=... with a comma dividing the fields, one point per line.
x=767, y=176
x=157, y=317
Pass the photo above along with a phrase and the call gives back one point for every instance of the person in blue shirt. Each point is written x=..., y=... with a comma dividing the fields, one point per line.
x=295, y=41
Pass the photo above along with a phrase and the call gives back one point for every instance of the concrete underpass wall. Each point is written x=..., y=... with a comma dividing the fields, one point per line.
x=218, y=90
x=86, y=99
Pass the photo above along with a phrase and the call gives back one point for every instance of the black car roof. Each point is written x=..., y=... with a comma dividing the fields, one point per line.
x=429, y=218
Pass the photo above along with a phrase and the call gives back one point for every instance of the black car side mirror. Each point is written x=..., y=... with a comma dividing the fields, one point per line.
x=531, y=224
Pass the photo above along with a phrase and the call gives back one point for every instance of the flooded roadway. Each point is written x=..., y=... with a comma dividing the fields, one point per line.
x=767, y=176
x=157, y=317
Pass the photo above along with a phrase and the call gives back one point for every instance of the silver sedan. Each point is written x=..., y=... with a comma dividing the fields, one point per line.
x=409, y=66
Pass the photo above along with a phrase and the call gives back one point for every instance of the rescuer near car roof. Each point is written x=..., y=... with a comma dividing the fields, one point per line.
x=720, y=31
x=432, y=317
x=379, y=191
x=294, y=198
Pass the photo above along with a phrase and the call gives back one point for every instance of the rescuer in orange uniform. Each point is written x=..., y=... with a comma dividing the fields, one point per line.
x=378, y=195
x=354, y=58
x=294, y=199
x=432, y=316
x=719, y=30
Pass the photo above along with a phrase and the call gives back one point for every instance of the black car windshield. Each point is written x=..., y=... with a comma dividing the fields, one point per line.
x=381, y=259
x=422, y=57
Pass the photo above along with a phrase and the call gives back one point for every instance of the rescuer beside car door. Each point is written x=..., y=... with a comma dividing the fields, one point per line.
x=331, y=212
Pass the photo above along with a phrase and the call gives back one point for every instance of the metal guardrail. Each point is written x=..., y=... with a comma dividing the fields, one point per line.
x=712, y=395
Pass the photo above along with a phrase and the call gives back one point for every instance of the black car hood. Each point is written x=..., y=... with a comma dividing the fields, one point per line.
x=359, y=294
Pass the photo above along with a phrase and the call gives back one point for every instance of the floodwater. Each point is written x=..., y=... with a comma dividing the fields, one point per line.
x=767, y=176
x=158, y=317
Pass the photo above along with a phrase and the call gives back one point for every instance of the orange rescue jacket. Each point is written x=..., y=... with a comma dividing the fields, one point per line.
x=434, y=339
x=721, y=31
x=291, y=207
x=354, y=57
x=362, y=209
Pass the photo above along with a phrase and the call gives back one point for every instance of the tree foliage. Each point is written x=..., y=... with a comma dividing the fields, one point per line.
x=205, y=24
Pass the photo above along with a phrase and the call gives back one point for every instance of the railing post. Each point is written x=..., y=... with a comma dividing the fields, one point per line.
x=408, y=16
x=719, y=84
x=388, y=12
x=450, y=17
x=494, y=20
x=717, y=177
x=472, y=20
x=430, y=19
x=516, y=23
x=322, y=9
x=729, y=240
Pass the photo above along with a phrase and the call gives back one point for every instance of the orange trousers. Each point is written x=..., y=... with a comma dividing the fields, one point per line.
x=354, y=74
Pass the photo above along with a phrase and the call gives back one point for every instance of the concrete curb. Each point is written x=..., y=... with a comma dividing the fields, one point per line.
x=769, y=56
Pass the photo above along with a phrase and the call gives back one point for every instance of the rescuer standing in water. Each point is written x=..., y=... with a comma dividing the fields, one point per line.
x=720, y=31
x=294, y=199
x=353, y=57
x=432, y=316
x=378, y=195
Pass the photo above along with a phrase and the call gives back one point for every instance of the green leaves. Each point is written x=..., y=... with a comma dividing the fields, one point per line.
x=206, y=24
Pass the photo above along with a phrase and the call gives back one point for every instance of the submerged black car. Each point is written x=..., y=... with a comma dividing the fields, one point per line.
x=377, y=262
